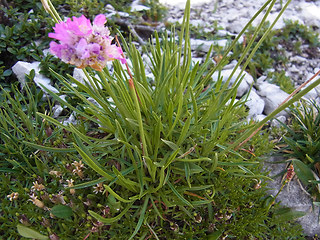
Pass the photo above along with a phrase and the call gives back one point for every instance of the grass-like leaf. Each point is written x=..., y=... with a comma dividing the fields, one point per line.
x=113, y=219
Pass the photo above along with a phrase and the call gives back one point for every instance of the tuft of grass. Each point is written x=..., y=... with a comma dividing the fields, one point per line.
x=302, y=147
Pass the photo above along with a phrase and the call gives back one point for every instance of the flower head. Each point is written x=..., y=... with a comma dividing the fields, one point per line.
x=70, y=184
x=37, y=186
x=78, y=165
x=83, y=44
x=13, y=196
x=56, y=173
x=98, y=188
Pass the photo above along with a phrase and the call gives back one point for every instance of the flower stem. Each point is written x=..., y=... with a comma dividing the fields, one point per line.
x=48, y=6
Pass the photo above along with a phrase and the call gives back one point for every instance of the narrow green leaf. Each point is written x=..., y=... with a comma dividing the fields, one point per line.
x=237, y=163
x=49, y=149
x=89, y=184
x=286, y=214
x=171, y=158
x=118, y=197
x=156, y=136
x=187, y=173
x=177, y=117
x=92, y=163
x=231, y=151
x=110, y=220
x=184, y=130
x=56, y=97
x=179, y=195
x=131, y=185
x=141, y=218
x=201, y=202
x=30, y=233
x=215, y=236
x=153, y=232
x=194, y=160
x=172, y=145
x=194, y=188
x=194, y=168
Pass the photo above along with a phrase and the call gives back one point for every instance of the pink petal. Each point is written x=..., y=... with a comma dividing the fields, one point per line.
x=61, y=33
x=115, y=52
x=80, y=26
x=99, y=20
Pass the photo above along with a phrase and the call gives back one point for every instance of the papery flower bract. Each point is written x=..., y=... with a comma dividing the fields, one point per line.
x=82, y=44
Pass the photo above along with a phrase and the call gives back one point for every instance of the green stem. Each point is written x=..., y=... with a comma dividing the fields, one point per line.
x=275, y=197
x=48, y=6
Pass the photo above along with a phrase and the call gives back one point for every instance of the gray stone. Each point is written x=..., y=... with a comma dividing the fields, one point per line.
x=259, y=117
x=254, y=103
x=109, y=7
x=137, y=7
x=310, y=13
x=277, y=122
x=71, y=120
x=57, y=110
x=245, y=83
x=311, y=95
x=80, y=76
x=231, y=65
x=273, y=96
x=200, y=45
x=293, y=196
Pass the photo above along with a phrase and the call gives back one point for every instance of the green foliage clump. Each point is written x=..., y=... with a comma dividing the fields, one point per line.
x=302, y=140
x=19, y=123
x=297, y=34
x=283, y=81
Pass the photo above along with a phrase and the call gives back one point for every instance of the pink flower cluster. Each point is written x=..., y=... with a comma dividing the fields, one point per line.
x=83, y=44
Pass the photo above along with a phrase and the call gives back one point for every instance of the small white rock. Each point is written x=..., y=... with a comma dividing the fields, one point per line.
x=137, y=7
x=273, y=96
x=57, y=110
x=21, y=68
x=276, y=122
x=255, y=104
